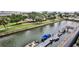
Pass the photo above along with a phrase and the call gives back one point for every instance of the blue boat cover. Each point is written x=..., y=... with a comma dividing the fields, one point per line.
x=46, y=36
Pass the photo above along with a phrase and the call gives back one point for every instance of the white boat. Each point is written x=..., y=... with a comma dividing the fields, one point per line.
x=55, y=37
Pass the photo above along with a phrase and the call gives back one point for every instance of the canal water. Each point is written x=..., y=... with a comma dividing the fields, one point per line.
x=25, y=37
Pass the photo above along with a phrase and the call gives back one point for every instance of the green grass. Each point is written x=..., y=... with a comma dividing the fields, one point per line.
x=11, y=27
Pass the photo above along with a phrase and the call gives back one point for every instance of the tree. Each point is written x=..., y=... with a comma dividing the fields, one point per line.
x=34, y=15
x=38, y=19
x=45, y=14
x=17, y=18
x=60, y=15
x=4, y=21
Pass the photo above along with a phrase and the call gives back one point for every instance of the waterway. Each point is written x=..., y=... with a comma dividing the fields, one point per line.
x=25, y=37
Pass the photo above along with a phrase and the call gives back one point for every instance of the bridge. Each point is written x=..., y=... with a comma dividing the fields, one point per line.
x=65, y=40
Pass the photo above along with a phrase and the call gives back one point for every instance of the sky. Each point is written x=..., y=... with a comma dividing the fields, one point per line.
x=39, y=5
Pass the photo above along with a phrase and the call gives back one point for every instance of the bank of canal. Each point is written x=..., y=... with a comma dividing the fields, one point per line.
x=24, y=27
x=22, y=38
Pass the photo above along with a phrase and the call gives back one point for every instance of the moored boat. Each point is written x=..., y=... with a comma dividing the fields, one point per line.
x=45, y=37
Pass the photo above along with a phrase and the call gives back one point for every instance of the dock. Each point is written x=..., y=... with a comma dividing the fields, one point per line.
x=70, y=39
x=66, y=40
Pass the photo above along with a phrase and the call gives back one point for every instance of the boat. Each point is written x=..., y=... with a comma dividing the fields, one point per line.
x=55, y=37
x=45, y=36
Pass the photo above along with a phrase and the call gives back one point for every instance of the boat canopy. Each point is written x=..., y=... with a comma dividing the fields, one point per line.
x=45, y=36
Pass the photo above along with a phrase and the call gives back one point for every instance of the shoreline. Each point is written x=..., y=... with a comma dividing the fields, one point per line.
x=21, y=30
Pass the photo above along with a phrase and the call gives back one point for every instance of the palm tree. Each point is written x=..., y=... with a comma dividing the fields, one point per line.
x=4, y=21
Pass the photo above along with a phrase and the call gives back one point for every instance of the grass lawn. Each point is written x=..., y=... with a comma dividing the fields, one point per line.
x=21, y=27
